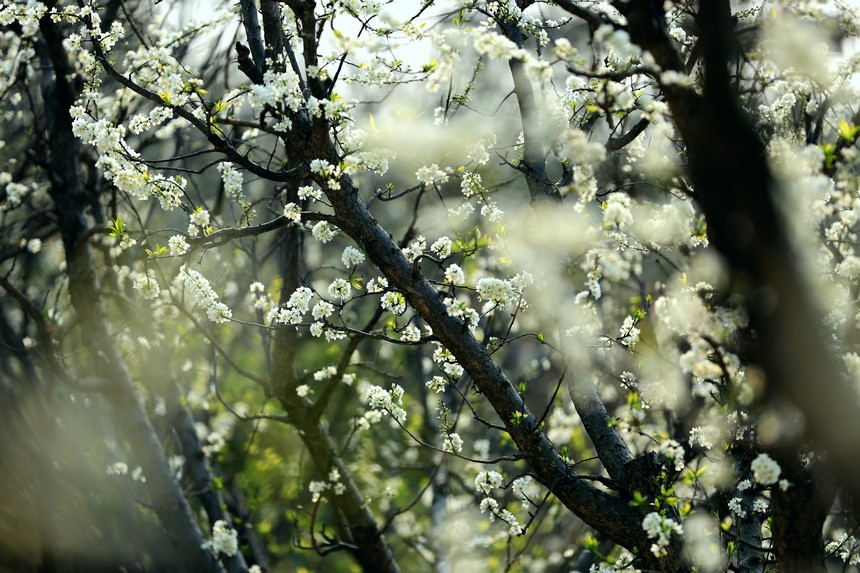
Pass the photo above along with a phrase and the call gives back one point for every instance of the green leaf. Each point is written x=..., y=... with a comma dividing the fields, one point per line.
x=694, y=475
x=730, y=547
x=460, y=18
x=117, y=230
x=158, y=252
x=848, y=131
x=638, y=499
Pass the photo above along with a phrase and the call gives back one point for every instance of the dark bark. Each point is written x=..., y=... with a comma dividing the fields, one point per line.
x=200, y=473
x=616, y=143
x=611, y=448
x=365, y=540
x=251, y=23
x=735, y=188
x=798, y=515
x=593, y=19
x=273, y=29
x=369, y=546
x=533, y=163
x=70, y=200
x=601, y=510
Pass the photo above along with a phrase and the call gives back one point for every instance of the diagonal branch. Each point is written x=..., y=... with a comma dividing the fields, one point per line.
x=620, y=142
x=611, y=448
x=599, y=509
x=251, y=22
x=533, y=164
x=593, y=19
x=70, y=201
x=220, y=143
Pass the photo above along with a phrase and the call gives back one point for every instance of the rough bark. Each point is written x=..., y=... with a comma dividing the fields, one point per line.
x=251, y=23
x=533, y=163
x=70, y=200
x=799, y=513
x=601, y=510
x=200, y=473
x=735, y=189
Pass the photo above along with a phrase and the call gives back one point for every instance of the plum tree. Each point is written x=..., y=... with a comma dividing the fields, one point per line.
x=379, y=285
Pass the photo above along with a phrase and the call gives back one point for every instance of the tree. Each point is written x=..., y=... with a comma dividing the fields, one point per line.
x=261, y=311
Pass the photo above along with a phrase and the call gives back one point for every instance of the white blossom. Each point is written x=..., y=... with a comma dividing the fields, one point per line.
x=846, y=547
x=147, y=285
x=388, y=401
x=202, y=292
x=660, y=529
x=178, y=245
x=765, y=470
x=351, y=257
x=485, y=482
x=415, y=249
x=674, y=452
x=442, y=247
x=452, y=443
x=317, y=488
x=431, y=173
x=340, y=288
x=322, y=232
x=377, y=284
x=293, y=213
x=411, y=334
x=736, y=506
x=393, y=301
x=495, y=290
x=437, y=384
x=224, y=539
x=308, y=191
x=117, y=469
x=454, y=275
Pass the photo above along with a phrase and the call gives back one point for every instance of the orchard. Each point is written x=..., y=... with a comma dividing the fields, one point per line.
x=442, y=286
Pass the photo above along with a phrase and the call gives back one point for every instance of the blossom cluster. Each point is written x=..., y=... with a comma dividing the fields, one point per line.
x=446, y=361
x=204, y=295
x=146, y=284
x=224, y=540
x=233, y=182
x=485, y=483
x=765, y=469
x=660, y=529
x=388, y=401
x=120, y=163
x=334, y=484
x=297, y=306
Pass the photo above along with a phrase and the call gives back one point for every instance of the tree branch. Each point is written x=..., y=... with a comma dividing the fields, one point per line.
x=70, y=200
x=533, y=164
x=735, y=187
x=251, y=23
